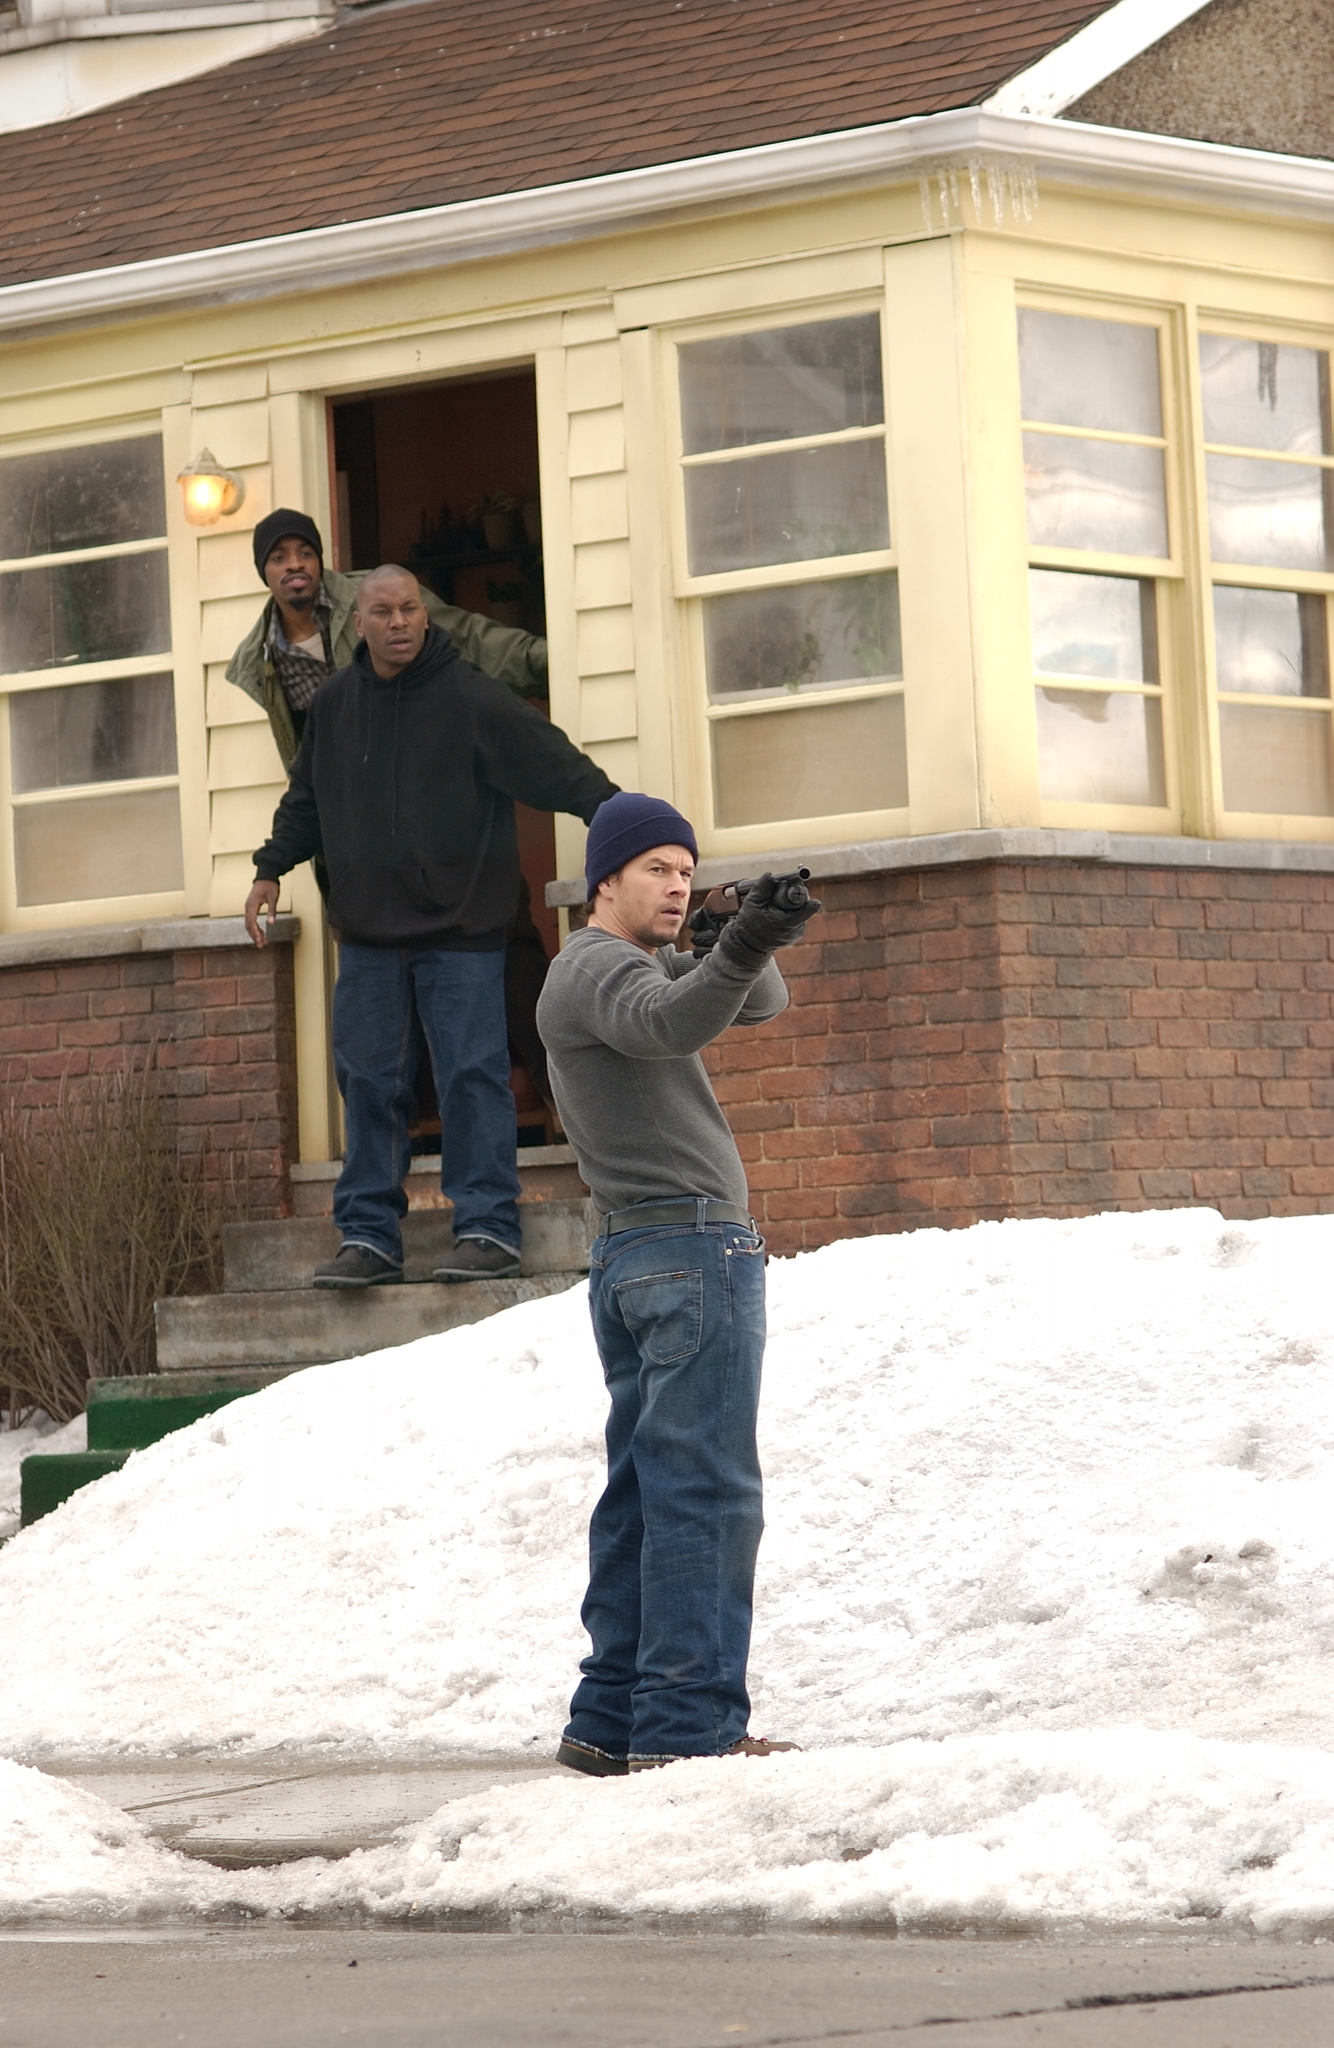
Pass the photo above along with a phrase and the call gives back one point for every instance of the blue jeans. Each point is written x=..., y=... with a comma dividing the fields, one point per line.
x=385, y=998
x=678, y=1315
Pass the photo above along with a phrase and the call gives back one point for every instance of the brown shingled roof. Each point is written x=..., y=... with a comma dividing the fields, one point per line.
x=402, y=107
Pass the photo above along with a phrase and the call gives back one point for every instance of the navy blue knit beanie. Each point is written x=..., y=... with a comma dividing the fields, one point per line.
x=276, y=526
x=629, y=824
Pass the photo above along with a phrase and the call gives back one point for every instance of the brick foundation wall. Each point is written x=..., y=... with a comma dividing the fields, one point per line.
x=222, y=1022
x=1043, y=1039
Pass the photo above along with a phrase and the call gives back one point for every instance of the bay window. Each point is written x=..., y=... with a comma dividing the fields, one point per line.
x=1269, y=466
x=790, y=572
x=1097, y=509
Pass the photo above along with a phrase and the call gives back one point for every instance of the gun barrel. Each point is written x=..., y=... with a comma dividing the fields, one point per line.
x=790, y=891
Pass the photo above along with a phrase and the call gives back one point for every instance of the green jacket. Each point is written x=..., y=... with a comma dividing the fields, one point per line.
x=511, y=656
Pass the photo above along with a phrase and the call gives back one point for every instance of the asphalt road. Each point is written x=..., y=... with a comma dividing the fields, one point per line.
x=303, y=1988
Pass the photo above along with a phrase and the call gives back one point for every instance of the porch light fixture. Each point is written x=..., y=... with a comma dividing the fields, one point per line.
x=210, y=490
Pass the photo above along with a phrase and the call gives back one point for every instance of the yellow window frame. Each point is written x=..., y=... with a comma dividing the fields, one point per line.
x=699, y=715
x=1167, y=572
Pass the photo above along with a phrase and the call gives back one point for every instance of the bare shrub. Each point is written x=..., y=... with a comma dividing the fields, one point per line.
x=100, y=1214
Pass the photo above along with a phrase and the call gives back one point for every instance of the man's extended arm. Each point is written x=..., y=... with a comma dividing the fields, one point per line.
x=531, y=760
x=765, y=998
x=506, y=652
x=626, y=1002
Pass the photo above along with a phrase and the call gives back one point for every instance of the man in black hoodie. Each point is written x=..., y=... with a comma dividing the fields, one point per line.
x=405, y=782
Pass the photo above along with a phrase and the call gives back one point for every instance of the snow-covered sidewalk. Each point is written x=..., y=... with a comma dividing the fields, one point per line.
x=1121, y=1829
x=1047, y=1504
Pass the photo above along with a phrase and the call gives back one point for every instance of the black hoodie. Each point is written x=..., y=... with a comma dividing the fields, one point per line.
x=408, y=787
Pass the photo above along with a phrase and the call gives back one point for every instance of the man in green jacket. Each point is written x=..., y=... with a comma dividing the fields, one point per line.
x=306, y=630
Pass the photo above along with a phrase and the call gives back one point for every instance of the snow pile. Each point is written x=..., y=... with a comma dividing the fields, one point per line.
x=1016, y=1833
x=40, y=1434
x=1030, y=1471
x=1024, y=1482
x=1013, y=1832
x=1033, y=1474
x=65, y=1855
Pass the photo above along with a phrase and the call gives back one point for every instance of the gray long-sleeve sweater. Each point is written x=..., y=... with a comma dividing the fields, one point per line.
x=623, y=1031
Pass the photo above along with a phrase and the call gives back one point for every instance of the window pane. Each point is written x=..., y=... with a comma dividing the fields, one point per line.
x=807, y=636
x=799, y=507
x=93, y=732
x=1271, y=643
x=82, y=498
x=98, y=846
x=87, y=611
x=818, y=762
x=1100, y=747
x=1106, y=496
x=781, y=383
x=1275, y=761
x=1263, y=394
x=1075, y=372
x=1268, y=514
x=1100, y=626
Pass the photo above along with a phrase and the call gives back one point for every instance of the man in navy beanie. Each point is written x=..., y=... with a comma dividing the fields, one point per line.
x=676, y=1289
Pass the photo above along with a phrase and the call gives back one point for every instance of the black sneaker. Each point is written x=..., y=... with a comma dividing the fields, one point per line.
x=478, y=1258
x=594, y=1763
x=358, y=1266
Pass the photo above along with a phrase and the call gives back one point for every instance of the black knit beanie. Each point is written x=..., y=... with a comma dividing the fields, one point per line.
x=627, y=824
x=276, y=526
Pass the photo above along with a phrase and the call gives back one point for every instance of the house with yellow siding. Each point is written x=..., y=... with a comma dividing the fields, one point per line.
x=909, y=424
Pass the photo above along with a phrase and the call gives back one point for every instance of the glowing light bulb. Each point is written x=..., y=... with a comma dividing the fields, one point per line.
x=210, y=491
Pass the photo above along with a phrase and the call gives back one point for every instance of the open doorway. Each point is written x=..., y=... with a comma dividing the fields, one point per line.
x=443, y=478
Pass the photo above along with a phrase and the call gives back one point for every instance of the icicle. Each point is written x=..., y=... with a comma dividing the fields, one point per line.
x=1011, y=188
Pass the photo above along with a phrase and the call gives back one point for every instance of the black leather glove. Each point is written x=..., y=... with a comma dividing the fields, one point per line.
x=761, y=925
x=706, y=926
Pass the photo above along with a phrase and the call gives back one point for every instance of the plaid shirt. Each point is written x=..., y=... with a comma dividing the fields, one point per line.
x=300, y=673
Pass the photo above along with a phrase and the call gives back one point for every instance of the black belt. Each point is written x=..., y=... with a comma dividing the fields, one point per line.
x=656, y=1215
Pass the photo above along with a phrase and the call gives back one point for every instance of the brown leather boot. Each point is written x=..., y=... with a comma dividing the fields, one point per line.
x=749, y=1745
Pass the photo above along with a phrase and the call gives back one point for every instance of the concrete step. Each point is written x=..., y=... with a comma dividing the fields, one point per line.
x=310, y=1326
x=545, y=1172
x=259, y=1257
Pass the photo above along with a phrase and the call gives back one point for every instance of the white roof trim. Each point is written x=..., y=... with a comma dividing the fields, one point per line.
x=1073, y=68
x=1248, y=180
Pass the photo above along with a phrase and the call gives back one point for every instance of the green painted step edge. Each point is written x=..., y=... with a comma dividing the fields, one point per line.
x=129, y=1414
x=46, y=1482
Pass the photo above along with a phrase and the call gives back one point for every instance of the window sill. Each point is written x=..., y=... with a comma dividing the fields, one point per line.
x=164, y=935
x=1006, y=843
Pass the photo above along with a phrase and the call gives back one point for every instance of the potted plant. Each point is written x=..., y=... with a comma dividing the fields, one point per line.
x=496, y=512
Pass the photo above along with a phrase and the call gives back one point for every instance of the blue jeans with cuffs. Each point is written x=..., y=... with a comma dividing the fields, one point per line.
x=678, y=1314
x=387, y=1000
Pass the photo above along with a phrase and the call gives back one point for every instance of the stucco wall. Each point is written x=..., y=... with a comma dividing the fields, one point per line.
x=1255, y=73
